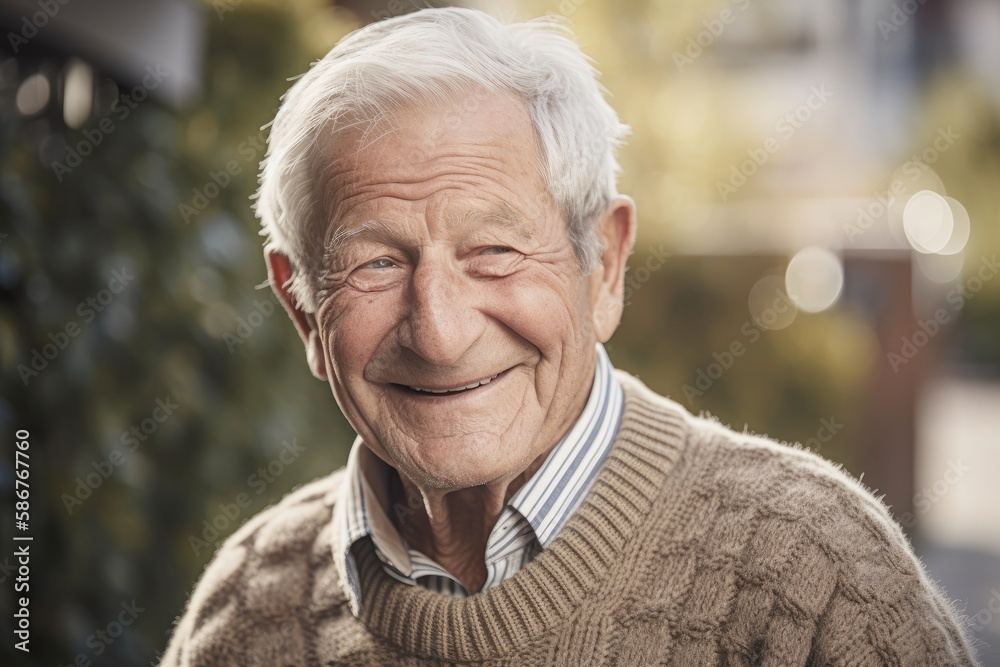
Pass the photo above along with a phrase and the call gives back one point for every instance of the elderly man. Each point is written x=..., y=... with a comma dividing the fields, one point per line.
x=444, y=230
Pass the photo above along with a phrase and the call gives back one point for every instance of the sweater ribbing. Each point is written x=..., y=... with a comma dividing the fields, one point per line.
x=695, y=545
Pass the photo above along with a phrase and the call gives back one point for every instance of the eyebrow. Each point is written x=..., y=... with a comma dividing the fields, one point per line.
x=368, y=229
x=381, y=230
x=500, y=213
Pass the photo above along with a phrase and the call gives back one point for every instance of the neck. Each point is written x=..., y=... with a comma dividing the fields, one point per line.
x=453, y=526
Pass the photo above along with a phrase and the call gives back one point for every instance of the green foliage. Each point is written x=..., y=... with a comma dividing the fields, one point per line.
x=172, y=334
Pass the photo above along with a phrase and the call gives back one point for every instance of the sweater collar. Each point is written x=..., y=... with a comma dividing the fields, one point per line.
x=651, y=437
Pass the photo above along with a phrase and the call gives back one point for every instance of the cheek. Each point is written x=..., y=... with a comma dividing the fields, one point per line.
x=354, y=331
x=543, y=310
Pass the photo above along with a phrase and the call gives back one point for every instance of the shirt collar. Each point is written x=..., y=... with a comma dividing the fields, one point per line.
x=359, y=513
x=549, y=498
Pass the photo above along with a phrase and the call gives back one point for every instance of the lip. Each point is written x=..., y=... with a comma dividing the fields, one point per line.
x=428, y=393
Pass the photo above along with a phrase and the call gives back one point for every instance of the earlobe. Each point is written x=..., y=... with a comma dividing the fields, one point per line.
x=314, y=350
x=607, y=316
x=279, y=271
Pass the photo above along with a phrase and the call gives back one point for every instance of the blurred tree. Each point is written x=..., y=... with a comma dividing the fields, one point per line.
x=178, y=404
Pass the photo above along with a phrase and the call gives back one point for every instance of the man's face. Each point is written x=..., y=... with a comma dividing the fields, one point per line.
x=454, y=324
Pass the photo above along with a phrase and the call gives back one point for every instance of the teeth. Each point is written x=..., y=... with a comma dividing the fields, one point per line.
x=448, y=391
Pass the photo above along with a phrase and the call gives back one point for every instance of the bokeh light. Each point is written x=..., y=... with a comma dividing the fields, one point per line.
x=814, y=279
x=961, y=228
x=33, y=94
x=78, y=93
x=770, y=305
x=928, y=221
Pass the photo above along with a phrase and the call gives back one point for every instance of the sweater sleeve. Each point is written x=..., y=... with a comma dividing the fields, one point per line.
x=880, y=615
x=883, y=610
x=249, y=605
x=823, y=576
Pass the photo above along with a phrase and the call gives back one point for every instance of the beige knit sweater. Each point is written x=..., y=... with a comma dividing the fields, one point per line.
x=695, y=546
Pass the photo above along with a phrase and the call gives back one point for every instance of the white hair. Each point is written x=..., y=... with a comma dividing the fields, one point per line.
x=429, y=54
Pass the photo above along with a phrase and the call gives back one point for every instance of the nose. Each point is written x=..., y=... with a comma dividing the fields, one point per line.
x=443, y=321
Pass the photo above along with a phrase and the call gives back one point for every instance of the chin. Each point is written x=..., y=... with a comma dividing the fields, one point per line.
x=457, y=463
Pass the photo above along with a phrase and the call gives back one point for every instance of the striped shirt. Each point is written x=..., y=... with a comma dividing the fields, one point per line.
x=529, y=522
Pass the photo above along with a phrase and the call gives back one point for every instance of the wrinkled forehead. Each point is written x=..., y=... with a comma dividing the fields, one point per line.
x=407, y=143
x=402, y=134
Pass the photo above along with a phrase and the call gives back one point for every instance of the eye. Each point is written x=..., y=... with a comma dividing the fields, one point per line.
x=495, y=261
x=379, y=264
x=378, y=274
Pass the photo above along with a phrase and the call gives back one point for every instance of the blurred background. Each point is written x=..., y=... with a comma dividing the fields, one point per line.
x=817, y=185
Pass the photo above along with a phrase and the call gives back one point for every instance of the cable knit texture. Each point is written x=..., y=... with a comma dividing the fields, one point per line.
x=695, y=546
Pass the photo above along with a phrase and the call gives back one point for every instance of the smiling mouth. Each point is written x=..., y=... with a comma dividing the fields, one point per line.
x=445, y=392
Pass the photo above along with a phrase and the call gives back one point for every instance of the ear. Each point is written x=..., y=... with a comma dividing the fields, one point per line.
x=279, y=270
x=616, y=229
